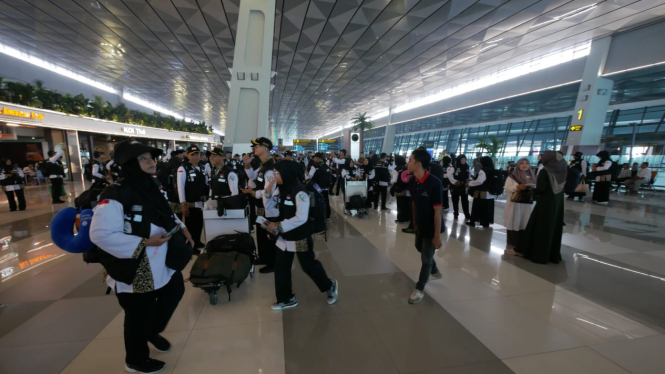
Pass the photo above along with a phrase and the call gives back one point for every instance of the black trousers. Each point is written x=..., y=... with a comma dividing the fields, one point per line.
x=265, y=244
x=310, y=265
x=446, y=203
x=147, y=314
x=340, y=184
x=383, y=191
x=19, y=196
x=56, y=189
x=194, y=224
x=404, y=213
x=326, y=197
x=459, y=193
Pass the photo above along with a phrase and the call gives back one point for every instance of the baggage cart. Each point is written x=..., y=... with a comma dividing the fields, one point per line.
x=353, y=188
x=236, y=220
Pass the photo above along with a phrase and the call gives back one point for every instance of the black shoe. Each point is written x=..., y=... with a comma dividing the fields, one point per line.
x=455, y=216
x=200, y=246
x=160, y=343
x=408, y=231
x=22, y=209
x=471, y=223
x=12, y=210
x=487, y=225
x=58, y=202
x=149, y=366
x=267, y=270
x=384, y=208
x=196, y=252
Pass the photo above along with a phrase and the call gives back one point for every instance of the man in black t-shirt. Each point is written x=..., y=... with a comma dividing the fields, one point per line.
x=427, y=198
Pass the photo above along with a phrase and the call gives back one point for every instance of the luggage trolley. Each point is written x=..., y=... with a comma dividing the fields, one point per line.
x=353, y=188
x=235, y=221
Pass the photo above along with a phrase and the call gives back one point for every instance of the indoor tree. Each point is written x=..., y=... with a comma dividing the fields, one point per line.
x=492, y=145
x=362, y=123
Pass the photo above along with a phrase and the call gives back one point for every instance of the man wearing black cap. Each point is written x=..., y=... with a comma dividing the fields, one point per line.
x=321, y=177
x=99, y=173
x=192, y=187
x=114, y=170
x=224, y=181
x=344, y=163
x=56, y=174
x=382, y=170
x=168, y=175
x=237, y=167
x=288, y=155
x=228, y=159
x=262, y=176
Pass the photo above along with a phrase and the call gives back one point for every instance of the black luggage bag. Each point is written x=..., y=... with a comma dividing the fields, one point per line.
x=227, y=260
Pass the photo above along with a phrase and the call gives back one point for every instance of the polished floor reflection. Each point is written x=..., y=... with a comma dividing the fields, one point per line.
x=601, y=310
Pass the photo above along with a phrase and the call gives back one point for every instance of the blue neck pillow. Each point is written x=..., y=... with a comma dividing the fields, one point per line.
x=62, y=230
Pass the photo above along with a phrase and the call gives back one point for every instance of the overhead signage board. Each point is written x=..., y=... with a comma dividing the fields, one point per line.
x=303, y=141
x=328, y=141
x=18, y=113
x=133, y=130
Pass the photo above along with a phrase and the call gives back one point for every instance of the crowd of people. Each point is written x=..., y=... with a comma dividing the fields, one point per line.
x=145, y=196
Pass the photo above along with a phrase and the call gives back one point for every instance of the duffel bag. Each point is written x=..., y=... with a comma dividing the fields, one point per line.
x=356, y=202
x=241, y=242
x=228, y=267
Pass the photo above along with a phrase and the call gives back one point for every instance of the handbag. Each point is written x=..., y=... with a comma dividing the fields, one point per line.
x=178, y=252
x=121, y=269
x=522, y=196
x=582, y=187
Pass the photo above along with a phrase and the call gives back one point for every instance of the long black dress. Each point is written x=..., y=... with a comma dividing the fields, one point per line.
x=541, y=241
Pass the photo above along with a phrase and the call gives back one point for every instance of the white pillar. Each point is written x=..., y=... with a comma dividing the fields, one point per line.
x=593, y=99
x=249, y=103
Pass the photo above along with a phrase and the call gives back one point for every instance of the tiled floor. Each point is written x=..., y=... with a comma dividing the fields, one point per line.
x=602, y=310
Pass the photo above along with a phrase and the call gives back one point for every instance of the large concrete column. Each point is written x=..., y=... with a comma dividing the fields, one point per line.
x=249, y=103
x=593, y=101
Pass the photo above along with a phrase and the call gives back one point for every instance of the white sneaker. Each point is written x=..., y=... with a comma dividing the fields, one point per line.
x=290, y=304
x=416, y=297
x=333, y=293
x=436, y=276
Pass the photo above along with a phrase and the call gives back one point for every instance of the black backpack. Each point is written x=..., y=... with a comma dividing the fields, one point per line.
x=317, y=211
x=44, y=167
x=495, y=181
x=88, y=198
x=615, y=169
x=227, y=259
x=437, y=170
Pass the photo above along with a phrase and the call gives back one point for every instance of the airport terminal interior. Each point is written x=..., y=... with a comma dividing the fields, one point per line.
x=568, y=92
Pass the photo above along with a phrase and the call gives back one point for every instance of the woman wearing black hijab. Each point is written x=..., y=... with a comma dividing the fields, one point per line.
x=447, y=161
x=541, y=241
x=483, y=200
x=603, y=173
x=129, y=222
x=400, y=190
x=294, y=237
x=458, y=176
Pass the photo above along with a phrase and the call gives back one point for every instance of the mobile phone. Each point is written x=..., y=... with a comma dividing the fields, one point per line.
x=173, y=231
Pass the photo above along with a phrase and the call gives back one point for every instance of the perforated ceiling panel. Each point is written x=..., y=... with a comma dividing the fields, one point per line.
x=332, y=58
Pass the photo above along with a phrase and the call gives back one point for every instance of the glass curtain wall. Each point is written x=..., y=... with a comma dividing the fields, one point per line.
x=522, y=139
